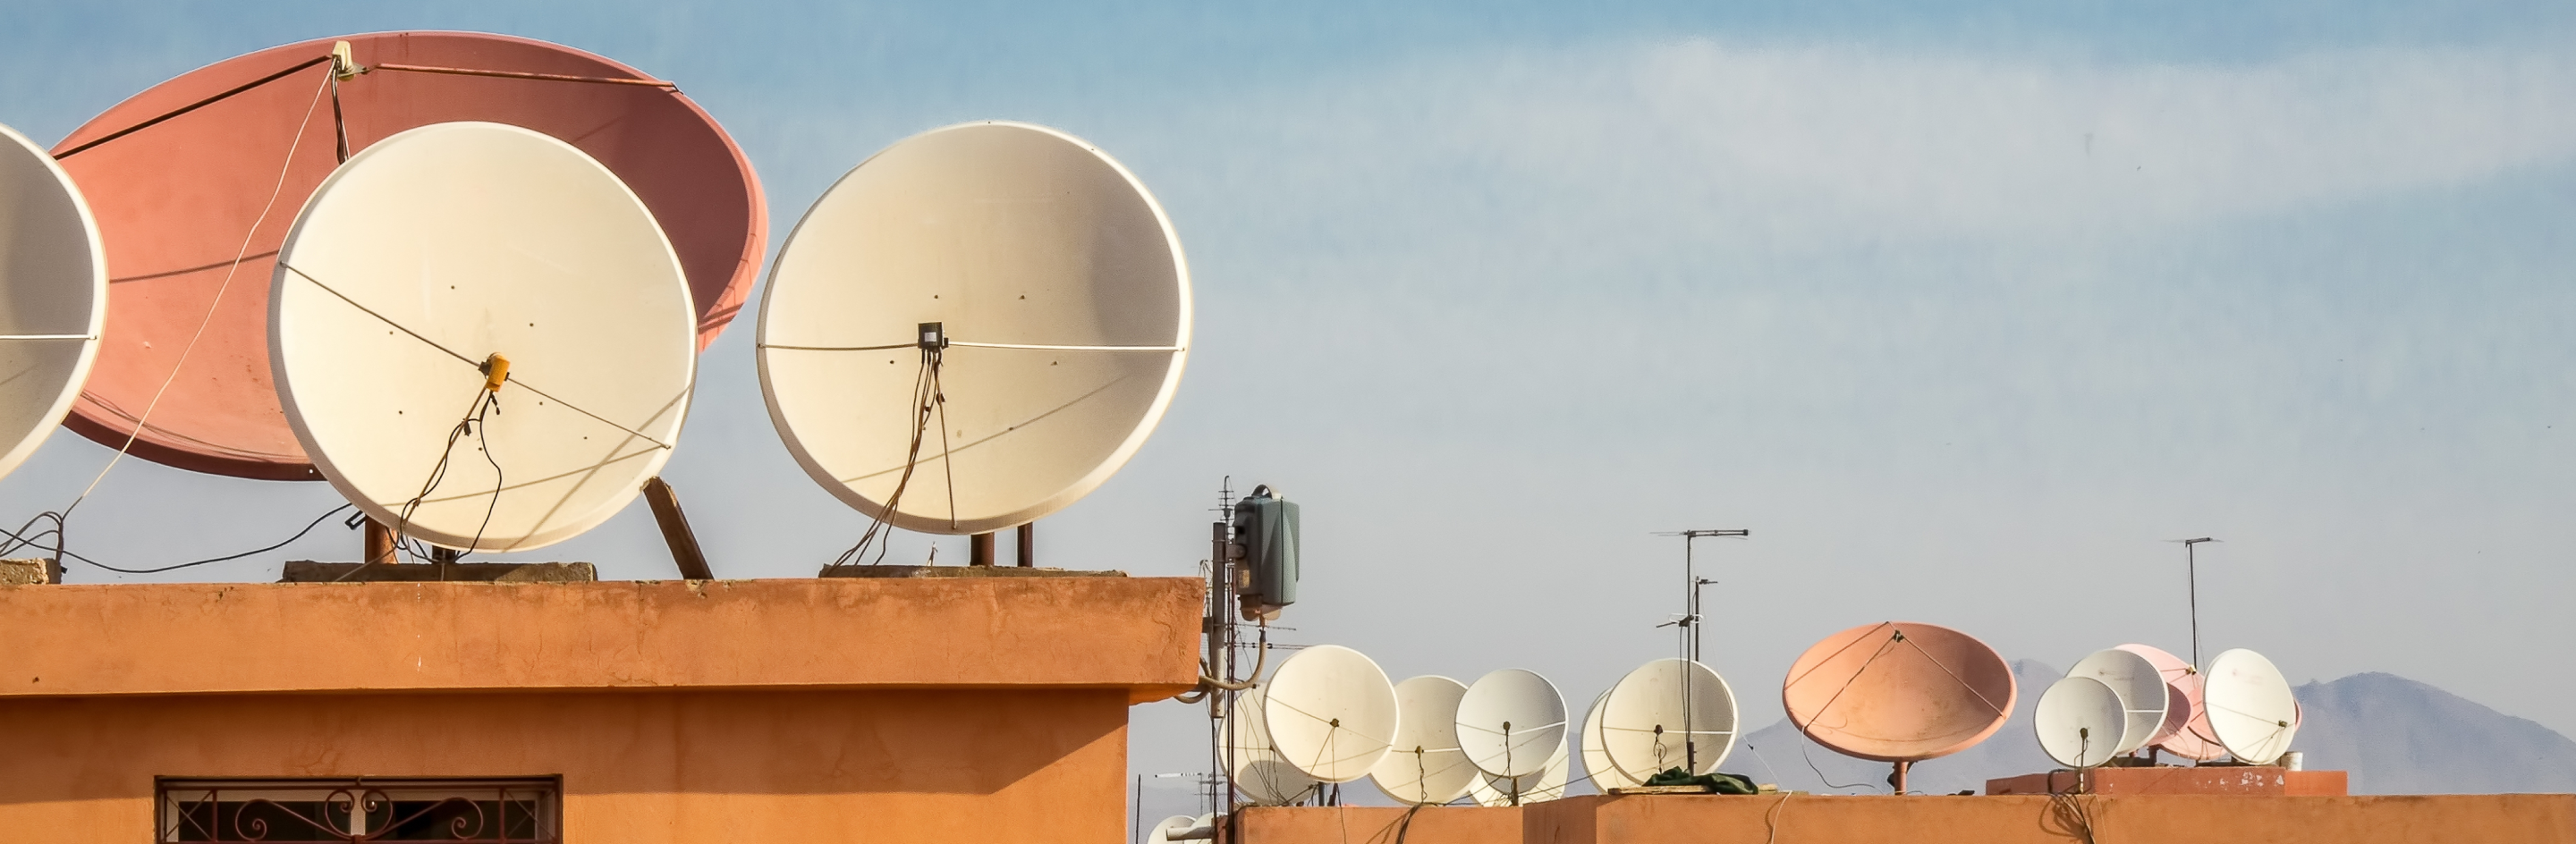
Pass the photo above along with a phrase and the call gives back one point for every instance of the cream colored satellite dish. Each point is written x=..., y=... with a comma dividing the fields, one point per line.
x=1548, y=784
x=446, y=252
x=1162, y=831
x=1511, y=722
x=1331, y=712
x=53, y=296
x=1425, y=766
x=2144, y=696
x=1259, y=773
x=2251, y=707
x=2079, y=721
x=1596, y=753
x=974, y=328
x=1665, y=715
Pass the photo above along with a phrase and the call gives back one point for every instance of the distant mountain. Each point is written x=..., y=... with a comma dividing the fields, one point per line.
x=2396, y=736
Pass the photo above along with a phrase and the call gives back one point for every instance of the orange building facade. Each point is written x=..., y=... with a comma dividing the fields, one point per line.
x=772, y=710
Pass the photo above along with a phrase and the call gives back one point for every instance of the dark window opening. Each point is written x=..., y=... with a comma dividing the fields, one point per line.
x=343, y=811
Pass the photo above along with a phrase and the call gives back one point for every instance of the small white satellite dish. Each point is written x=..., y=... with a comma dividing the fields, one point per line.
x=1014, y=280
x=2251, y=707
x=445, y=251
x=1654, y=711
x=1164, y=829
x=1259, y=772
x=53, y=295
x=2079, y=721
x=1596, y=753
x=1548, y=784
x=1510, y=722
x=2143, y=693
x=1331, y=713
x=1425, y=766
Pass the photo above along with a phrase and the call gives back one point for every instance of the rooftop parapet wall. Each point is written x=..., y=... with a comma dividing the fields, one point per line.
x=1831, y=819
x=222, y=638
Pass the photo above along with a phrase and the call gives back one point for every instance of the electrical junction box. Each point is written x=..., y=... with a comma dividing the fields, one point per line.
x=1265, y=533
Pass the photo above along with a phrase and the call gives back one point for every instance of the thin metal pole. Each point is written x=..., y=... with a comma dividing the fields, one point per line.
x=2191, y=575
x=1690, y=580
x=1692, y=642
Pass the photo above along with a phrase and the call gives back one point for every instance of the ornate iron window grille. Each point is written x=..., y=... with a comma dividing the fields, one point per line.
x=522, y=810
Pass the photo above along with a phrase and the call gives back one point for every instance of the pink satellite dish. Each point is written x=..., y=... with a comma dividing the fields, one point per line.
x=1899, y=691
x=210, y=168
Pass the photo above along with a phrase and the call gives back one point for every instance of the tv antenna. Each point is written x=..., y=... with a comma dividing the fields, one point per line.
x=2191, y=573
x=1689, y=622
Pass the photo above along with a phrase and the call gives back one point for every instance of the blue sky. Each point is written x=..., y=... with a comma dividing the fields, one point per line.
x=1962, y=309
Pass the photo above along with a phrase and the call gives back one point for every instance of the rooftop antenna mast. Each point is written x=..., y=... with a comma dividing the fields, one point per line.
x=1689, y=624
x=2191, y=573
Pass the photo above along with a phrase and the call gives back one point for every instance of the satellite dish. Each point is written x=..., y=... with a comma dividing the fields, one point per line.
x=2195, y=741
x=2251, y=708
x=2144, y=697
x=1510, y=723
x=1258, y=771
x=53, y=293
x=1164, y=829
x=1899, y=691
x=180, y=200
x=1425, y=766
x=1596, y=752
x=1651, y=713
x=428, y=255
x=1331, y=713
x=2178, y=706
x=1548, y=784
x=1013, y=269
x=2080, y=721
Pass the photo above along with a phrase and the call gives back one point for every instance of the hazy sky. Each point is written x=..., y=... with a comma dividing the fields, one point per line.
x=1962, y=310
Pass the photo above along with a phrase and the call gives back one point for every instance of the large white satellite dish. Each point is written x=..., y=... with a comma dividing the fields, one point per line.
x=1656, y=715
x=1510, y=722
x=2251, y=707
x=1063, y=303
x=1331, y=713
x=1548, y=784
x=1596, y=753
x=53, y=296
x=1258, y=771
x=422, y=259
x=2143, y=693
x=1425, y=766
x=2079, y=721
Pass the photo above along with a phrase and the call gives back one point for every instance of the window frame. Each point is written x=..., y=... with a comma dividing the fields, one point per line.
x=174, y=798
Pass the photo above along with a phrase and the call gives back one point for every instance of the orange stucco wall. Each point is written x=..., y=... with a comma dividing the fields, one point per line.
x=1139, y=633
x=1817, y=819
x=764, y=711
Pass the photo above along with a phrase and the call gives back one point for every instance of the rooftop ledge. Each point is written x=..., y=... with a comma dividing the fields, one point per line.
x=233, y=638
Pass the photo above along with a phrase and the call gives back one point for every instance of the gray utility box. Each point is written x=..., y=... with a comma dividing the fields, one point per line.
x=1265, y=526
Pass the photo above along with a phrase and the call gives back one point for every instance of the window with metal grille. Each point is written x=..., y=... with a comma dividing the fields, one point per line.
x=523, y=810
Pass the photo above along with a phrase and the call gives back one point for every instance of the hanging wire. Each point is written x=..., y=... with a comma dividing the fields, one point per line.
x=20, y=538
x=486, y=402
x=279, y=189
x=927, y=400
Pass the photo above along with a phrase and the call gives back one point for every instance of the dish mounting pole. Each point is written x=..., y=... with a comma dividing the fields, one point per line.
x=2191, y=577
x=1690, y=625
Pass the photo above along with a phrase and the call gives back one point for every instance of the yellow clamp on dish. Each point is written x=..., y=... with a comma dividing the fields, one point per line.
x=496, y=369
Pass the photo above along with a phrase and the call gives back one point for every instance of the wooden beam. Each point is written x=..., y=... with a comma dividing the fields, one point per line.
x=675, y=530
